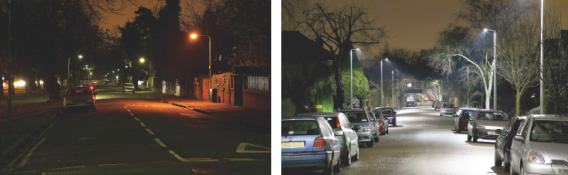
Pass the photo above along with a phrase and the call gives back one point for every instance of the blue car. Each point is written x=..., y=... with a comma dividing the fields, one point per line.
x=309, y=142
x=366, y=126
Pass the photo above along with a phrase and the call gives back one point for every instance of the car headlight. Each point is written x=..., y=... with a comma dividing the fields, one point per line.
x=366, y=129
x=535, y=157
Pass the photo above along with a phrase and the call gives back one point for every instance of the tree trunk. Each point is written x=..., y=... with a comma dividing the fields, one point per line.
x=52, y=88
x=518, y=103
x=339, y=97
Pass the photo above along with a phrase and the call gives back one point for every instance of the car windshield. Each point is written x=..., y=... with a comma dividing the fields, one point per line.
x=448, y=105
x=356, y=116
x=332, y=121
x=79, y=91
x=385, y=110
x=495, y=116
x=299, y=127
x=550, y=131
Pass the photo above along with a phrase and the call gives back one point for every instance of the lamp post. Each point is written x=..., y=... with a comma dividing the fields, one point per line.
x=142, y=60
x=68, y=67
x=541, y=57
x=351, y=56
x=382, y=91
x=194, y=36
x=494, y=67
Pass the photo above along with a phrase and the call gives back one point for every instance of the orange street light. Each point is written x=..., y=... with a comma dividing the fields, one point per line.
x=194, y=36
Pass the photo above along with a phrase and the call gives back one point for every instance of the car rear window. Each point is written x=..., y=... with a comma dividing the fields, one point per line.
x=496, y=116
x=385, y=110
x=332, y=121
x=356, y=116
x=81, y=91
x=299, y=127
x=550, y=131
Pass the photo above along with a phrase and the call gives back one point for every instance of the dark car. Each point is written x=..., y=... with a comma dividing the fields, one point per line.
x=504, y=141
x=309, y=142
x=389, y=113
x=82, y=98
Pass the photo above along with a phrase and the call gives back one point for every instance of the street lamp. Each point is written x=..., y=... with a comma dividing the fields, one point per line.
x=541, y=57
x=194, y=36
x=382, y=91
x=494, y=67
x=142, y=60
x=351, y=56
x=69, y=67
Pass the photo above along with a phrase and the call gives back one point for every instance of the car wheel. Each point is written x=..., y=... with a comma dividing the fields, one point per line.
x=387, y=130
x=496, y=159
x=356, y=157
x=384, y=132
x=394, y=123
x=376, y=138
x=337, y=167
x=512, y=171
x=370, y=144
x=507, y=166
x=475, y=137
x=522, y=170
x=468, y=138
x=347, y=158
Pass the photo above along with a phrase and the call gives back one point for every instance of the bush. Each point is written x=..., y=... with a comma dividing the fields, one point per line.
x=288, y=108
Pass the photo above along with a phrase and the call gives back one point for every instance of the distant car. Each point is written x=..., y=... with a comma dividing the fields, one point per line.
x=438, y=105
x=127, y=87
x=82, y=98
x=504, y=141
x=461, y=118
x=447, y=109
x=364, y=124
x=309, y=142
x=485, y=123
x=541, y=146
x=343, y=132
x=389, y=113
x=383, y=123
x=410, y=102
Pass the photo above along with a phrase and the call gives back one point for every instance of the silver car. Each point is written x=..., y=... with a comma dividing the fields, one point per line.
x=541, y=146
x=484, y=124
x=364, y=124
x=347, y=137
x=447, y=109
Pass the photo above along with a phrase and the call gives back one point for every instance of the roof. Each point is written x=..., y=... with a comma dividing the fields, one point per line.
x=548, y=117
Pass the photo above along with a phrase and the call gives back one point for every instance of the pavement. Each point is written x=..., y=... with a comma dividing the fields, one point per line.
x=33, y=114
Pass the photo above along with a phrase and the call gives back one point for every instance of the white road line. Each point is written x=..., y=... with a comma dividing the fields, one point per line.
x=113, y=164
x=142, y=124
x=29, y=154
x=136, y=118
x=243, y=145
x=160, y=142
x=128, y=110
x=181, y=159
x=71, y=167
x=132, y=114
x=149, y=131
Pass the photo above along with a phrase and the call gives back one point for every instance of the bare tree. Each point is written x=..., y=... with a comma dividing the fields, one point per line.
x=341, y=29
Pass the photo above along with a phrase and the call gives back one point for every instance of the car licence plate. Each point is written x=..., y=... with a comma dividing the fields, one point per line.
x=292, y=144
x=491, y=133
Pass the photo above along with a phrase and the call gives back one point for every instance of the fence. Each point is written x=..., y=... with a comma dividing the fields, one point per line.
x=258, y=83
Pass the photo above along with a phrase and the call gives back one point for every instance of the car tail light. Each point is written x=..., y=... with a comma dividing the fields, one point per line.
x=91, y=87
x=338, y=123
x=319, y=142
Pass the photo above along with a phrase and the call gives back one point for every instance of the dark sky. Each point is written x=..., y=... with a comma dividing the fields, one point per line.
x=414, y=24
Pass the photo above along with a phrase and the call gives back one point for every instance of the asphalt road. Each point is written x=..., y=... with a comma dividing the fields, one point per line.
x=133, y=134
x=423, y=143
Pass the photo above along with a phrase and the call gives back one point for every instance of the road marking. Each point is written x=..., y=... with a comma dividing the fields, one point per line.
x=142, y=124
x=199, y=116
x=132, y=114
x=29, y=154
x=160, y=142
x=136, y=118
x=243, y=145
x=113, y=164
x=242, y=159
x=70, y=167
x=150, y=131
x=128, y=110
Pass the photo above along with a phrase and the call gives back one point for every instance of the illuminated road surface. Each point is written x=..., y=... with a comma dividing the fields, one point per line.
x=130, y=134
x=423, y=143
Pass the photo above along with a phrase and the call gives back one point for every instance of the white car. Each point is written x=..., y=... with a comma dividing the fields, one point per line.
x=128, y=87
x=447, y=109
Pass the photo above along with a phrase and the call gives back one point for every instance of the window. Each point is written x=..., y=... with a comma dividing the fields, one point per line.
x=356, y=116
x=299, y=127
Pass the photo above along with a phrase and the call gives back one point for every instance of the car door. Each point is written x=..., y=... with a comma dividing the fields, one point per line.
x=349, y=133
x=374, y=122
x=332, y=142
x=502, y=139
x=517, y=146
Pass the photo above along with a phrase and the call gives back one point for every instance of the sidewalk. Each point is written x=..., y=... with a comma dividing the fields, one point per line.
x=255, y=119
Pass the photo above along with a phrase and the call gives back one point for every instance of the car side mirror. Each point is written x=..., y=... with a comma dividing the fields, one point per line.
x=338, y=133
x=357, y=127
x=519, y=138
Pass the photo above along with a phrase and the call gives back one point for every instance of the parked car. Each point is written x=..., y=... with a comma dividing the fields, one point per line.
x=541, y=146
x=382, y=122
x=127, y=87
x=410, y=102
x=447, y=109
x=343, y=132
x=484, y=124
x=364, y=124
x=309, y=142
x=438, y=105
x=388, y=113
x=504, y=141
x=82, y=98
x=461, y=118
